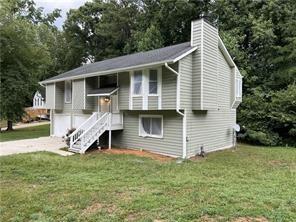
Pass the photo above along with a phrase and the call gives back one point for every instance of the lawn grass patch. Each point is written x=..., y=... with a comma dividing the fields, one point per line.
x=250, y=182
x=25, y=133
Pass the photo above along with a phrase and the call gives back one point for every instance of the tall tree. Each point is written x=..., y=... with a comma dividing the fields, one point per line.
x=23, y=55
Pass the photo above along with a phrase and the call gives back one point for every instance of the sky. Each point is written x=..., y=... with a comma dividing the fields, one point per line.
x=64, y=5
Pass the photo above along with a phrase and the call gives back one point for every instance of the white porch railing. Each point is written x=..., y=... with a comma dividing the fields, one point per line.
x=92, y=133
x=84, y=126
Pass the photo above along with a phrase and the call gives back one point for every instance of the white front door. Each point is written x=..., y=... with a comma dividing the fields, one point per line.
x=104, y=105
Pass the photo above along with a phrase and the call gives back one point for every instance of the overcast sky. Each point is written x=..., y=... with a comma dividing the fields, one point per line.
x=64, y=5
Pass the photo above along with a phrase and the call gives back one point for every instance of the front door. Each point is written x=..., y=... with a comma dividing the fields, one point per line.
x=104, y=104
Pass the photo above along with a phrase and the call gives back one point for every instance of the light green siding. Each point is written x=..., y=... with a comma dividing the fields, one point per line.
x=170, y=144
x=137, y=103
x=212, y=129
x=50, y=96
x=169, y=88
x=196, y=65
x=78, y=94
x=59, y=95
x=185, y=70
x=205, y=66
x=90, y=101
x=196, y=80
x=152, y=102
x=210, y=67
x=124, y=86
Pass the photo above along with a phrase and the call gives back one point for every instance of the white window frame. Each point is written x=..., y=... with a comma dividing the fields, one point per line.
x=142, y=133
x=66, y=89
x=238, y=87
x=132, y=83
x=157, y=82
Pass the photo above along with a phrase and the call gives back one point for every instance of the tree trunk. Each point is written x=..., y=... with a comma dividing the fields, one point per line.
x=9, y=125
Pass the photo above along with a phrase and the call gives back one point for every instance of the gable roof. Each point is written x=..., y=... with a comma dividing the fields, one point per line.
x=123, y=63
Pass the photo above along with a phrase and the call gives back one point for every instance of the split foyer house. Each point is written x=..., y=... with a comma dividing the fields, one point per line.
x=172, y=100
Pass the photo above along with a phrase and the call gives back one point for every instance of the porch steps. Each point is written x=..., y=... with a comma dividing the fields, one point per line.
x=90, y=131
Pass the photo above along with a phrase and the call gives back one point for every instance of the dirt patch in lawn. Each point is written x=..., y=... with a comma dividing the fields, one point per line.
x=250, y=219
x=95, y=207
x=92, y=209
x=140, y=153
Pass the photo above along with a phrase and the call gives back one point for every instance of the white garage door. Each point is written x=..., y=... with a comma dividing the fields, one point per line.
x=78, y=120
x=61, y=124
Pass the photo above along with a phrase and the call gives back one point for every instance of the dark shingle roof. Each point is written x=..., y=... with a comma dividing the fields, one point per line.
x=166, y=54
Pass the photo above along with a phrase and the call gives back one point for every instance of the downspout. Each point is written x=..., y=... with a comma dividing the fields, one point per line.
x=178, y=108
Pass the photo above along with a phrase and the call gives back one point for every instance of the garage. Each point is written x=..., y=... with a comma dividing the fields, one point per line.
x=79, y=119
x=61, y=123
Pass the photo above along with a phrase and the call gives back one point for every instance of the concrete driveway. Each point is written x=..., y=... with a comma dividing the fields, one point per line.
x=50, y=144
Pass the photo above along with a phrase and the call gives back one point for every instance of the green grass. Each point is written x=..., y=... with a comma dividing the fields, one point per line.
x=25, y=133
x=249, y=182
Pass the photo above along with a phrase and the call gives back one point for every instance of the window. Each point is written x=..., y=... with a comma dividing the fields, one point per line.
x=238, y=87
x=153, y=81
x=151, y=126
x=137, y=83
x=68, y=91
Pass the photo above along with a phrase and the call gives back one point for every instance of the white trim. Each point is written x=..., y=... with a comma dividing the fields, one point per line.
x=141, y=134
x=84, y=93
x=184, y=54
x=130, y=91
x=201, y=63
x=54, y=96
x=145, y=89
x=51, y=122
x=159, y=83
x=191, y=37
x=104, y=94
x=225, y=52
x=184, y=131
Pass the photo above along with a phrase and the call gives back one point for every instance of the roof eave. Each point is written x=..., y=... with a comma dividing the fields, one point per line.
x=121, y=69
x=107, y=72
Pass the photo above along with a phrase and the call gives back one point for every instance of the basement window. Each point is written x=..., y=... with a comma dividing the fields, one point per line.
x=151, y=126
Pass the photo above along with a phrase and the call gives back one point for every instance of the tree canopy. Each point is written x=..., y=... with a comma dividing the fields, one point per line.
x=260, y=36
x=25, y=54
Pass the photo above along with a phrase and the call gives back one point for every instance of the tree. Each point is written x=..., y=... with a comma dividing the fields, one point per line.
x=23, y=55
x=151, y=39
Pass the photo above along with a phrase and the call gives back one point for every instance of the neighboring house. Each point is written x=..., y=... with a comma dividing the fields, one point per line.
x=171, y=101
x=39, y=99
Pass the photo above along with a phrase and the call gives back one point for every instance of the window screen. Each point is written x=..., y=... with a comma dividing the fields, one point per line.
x=153, y=81
x=137, y=88
x=68, y=91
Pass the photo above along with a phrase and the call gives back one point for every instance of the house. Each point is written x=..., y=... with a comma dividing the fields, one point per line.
x=176, y=100
x=39, y=99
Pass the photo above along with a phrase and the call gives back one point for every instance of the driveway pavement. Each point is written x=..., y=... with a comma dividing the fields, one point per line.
x=50, y=144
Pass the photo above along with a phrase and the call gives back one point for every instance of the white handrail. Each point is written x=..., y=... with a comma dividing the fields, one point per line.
x=75, y=135
x=83, y=136
x=99, y=120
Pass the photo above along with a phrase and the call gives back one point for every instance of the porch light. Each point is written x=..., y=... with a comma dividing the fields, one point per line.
x=107, y=99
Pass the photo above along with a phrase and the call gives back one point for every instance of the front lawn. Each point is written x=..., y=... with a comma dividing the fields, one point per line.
x=25, y=133
x=243, y=185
